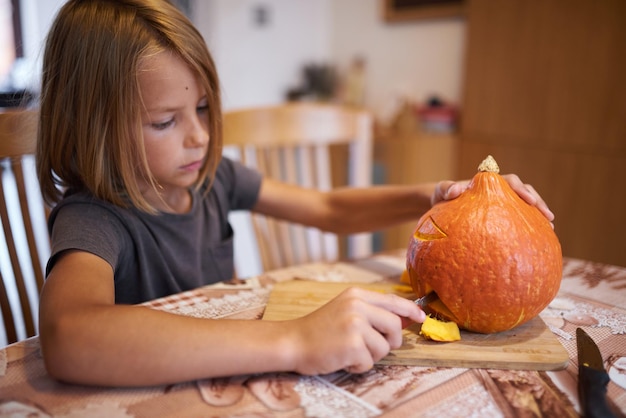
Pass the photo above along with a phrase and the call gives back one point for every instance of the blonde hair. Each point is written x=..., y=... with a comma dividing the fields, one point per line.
x=90, y=134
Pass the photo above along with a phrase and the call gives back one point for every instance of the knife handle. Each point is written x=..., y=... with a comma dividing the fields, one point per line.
x=592, y=393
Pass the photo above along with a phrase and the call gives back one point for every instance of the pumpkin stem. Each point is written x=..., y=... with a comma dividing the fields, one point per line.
x=489, y=165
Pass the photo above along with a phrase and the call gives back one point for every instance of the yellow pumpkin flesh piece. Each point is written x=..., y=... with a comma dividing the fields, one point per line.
x=433, y=329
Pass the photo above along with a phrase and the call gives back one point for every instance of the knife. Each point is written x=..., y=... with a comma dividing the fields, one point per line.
x=422, y=302
x=427, y=299
x=592, y=378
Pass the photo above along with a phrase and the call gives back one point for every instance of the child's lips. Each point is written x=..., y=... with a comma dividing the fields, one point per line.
x=196, y=165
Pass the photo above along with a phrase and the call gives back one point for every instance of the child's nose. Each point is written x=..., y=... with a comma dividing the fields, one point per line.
x=198, y=134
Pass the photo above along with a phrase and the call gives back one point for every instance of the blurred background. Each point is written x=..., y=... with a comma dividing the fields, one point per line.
x=262, y=47
x=539, y=85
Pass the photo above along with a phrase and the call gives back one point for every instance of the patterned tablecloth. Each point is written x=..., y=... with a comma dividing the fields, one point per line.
x=592, y=296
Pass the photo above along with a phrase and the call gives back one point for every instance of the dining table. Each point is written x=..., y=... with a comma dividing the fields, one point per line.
x=592, y=296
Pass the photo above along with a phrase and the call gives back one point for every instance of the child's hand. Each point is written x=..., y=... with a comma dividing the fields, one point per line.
x=351, y=332
x=447, y=190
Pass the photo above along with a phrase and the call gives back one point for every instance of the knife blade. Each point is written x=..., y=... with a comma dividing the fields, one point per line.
x=592, y=378
x=427, y=299
x=422, y=302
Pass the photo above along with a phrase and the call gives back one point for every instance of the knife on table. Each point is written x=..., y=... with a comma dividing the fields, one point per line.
x=592, y=378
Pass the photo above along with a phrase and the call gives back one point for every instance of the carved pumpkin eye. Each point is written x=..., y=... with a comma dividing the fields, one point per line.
x=428, y=230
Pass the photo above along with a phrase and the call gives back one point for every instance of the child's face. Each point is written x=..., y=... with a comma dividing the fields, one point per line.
x=175, y=124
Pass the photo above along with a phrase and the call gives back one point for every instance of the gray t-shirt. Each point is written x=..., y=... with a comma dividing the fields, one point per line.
x=158, y=255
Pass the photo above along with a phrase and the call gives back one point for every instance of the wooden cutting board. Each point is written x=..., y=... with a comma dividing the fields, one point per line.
x=531, y=346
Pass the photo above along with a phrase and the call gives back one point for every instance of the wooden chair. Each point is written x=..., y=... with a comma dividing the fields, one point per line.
x=21, y=277
x=314, y=145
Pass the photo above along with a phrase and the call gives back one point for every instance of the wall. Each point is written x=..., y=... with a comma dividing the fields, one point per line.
x=258, y=63
x=413, y=59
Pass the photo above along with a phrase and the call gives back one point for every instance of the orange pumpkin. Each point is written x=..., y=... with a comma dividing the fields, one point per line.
x=493, y=259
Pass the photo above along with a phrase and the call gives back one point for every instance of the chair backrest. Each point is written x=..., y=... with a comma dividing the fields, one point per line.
x=23, y=216
x=314, y=145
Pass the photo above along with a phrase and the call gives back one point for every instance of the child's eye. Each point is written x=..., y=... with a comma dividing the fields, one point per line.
x=202, y=108
x=159, y=126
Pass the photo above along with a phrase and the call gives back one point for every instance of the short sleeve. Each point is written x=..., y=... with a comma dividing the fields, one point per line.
x=242, y=183
x=85, y=227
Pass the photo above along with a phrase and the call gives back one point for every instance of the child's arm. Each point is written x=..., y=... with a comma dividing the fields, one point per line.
x=87, y=339
x=344, y=210
x=349, y=210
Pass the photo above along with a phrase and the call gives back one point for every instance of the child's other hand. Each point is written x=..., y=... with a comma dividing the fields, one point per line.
x=447, y=190
x=351, y=332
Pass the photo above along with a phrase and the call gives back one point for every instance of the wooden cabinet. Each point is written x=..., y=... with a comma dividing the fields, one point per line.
x=545, y=94
x=410, y=158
